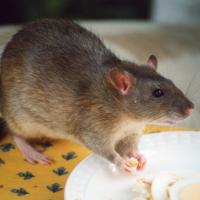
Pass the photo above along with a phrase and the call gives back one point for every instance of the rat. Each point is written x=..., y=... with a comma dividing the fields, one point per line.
x=58, y=80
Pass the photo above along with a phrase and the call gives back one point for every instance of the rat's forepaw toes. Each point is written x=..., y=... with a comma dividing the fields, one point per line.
x=141, y=160
x=125, y=165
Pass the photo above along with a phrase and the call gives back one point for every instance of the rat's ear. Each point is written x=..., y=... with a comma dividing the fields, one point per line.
x=121, y=80
x=152, y=62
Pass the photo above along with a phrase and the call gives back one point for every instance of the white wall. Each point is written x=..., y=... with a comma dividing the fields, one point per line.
x=176, y=11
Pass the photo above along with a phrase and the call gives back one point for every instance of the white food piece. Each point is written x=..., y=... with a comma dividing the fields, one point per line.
x=141, y=191
x=159, y=187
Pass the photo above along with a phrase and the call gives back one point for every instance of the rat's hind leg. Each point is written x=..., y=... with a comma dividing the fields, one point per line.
x=29, y=152
x=22, y=128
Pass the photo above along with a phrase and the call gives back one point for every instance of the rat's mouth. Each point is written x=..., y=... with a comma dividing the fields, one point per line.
x=170, y=121
x=165, y=122
x=173, y=120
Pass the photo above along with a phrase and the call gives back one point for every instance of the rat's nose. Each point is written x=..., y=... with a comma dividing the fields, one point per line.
x=188, y=111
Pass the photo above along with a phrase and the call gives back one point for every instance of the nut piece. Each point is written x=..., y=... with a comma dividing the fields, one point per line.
x=133, y=162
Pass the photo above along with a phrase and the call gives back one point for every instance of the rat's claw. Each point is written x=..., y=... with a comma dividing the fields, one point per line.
x=141, y=159
x=30, y=160
x=125, y=166
x=34, y=156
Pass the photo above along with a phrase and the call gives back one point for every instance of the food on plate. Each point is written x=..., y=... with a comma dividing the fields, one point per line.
x=141, y=190
x=156, y=188
x=161, y=185
x=191, y=192
x=167, y=186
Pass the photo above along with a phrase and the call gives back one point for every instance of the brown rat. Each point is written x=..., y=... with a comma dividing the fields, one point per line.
x=58, y=80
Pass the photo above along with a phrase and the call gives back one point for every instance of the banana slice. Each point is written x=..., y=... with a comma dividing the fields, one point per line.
x=160, y=185
x=141, y=190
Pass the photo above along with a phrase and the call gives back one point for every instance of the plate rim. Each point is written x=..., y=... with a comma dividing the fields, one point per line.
x=175, y=134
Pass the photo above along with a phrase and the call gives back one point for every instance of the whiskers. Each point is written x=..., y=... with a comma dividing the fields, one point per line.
x=190, y=83
x=163, y=118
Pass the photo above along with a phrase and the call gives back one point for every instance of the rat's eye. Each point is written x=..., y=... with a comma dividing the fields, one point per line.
x=158, y=93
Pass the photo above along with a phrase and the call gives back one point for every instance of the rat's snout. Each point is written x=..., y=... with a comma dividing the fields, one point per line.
x=183, y=107
x=189, y=109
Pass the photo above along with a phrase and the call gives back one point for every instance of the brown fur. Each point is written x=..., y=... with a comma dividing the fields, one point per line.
x=55, y=83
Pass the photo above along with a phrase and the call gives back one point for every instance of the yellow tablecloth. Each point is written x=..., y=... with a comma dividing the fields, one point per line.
x=22, y=180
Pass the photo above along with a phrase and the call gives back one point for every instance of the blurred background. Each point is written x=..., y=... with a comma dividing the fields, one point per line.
x=164, y=11
x=132, y=29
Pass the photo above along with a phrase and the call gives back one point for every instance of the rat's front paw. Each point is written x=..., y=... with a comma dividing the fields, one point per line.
x=127, y=164
x=133, y=153
x=141, y=160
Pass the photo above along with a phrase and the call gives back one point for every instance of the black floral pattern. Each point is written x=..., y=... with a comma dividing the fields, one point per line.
x=2, y=162
x=55, y=187
x=46, y=144
x=7, y=147
x=19, y=192
x=70, y=155
x=60, y=171
x=26, y=175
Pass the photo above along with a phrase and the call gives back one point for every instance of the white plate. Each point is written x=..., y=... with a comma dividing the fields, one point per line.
x=171, y=151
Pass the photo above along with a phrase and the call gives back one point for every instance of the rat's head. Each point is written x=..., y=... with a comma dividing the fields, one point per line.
x=146, y=95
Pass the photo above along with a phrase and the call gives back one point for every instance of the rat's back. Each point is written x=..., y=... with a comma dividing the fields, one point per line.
x=53, y=54
x=57, y=45
x=45, y=68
